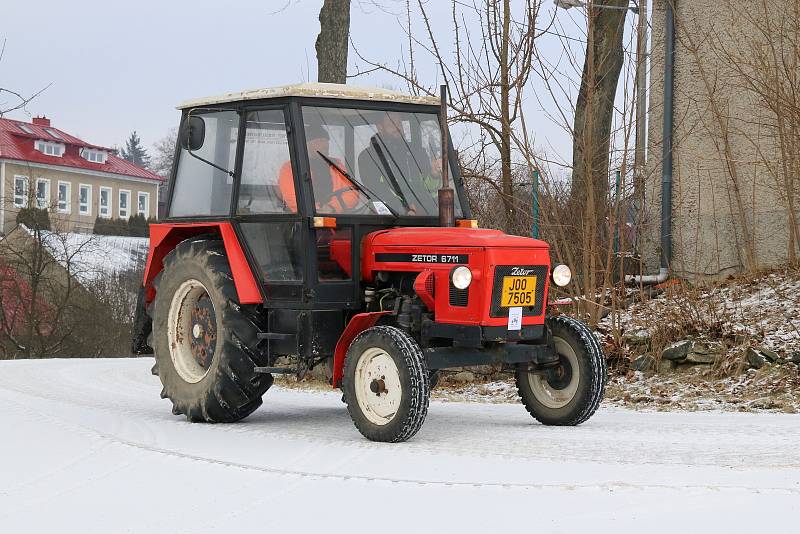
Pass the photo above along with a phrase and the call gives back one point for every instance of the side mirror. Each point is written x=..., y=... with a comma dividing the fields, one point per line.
x=193, y=133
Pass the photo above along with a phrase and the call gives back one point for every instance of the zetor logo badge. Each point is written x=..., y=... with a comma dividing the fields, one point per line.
x=519, y=271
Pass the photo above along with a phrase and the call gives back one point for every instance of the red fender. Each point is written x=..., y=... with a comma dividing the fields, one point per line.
x=165, y=237
x=358, y=323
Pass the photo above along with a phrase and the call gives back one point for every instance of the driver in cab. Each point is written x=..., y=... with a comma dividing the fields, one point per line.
x=333, y=192
x=396, y=169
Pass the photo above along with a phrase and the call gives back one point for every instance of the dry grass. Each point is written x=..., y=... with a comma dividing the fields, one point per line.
x=761, y=310
x=772, y=388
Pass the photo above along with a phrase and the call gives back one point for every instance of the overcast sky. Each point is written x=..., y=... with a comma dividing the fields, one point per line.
x=117, y=67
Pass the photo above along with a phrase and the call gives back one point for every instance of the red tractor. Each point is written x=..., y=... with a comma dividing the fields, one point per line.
x=313, y=225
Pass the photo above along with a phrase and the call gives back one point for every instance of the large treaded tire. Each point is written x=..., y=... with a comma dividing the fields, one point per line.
x=414, y=382
x=230, y=390
x=592, y=375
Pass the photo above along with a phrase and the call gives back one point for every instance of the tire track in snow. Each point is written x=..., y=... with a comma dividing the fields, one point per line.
x=558, y=453
x=610, y=486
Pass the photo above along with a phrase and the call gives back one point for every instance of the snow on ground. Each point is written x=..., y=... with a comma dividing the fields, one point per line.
x=755, y=309
x=87, y=446
x=92, y=257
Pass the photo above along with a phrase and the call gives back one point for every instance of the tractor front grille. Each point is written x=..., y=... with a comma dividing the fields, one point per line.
x=458, y=297
x=501, y=271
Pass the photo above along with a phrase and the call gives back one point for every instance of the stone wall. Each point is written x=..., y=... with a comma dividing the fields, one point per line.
x=730, y=209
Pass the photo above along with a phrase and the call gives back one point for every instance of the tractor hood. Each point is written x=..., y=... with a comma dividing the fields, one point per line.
x=450, y=237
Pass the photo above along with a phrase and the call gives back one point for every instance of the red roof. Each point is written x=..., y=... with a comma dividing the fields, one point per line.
x=16, y=143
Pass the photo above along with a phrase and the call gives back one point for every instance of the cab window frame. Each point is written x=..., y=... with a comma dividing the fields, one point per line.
x=186, y=113
x=281, y=291
x=403, y=107
x=291, y=145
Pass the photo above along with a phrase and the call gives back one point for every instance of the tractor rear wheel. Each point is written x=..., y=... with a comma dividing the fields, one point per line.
x=203, y=338
x=386, y=384
x=570, y=392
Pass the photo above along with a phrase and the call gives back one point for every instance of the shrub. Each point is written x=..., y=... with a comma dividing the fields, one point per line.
x=136, y=226
x=34, y=218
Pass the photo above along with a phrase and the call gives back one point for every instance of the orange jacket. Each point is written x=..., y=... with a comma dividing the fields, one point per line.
x=338, y=183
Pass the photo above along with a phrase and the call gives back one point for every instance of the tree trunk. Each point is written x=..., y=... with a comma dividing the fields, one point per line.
x=505, y=122
x=333, y=41
x=594, y=111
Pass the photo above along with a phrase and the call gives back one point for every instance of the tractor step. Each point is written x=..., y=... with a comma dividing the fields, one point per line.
x=276, y=370
x=275, y=335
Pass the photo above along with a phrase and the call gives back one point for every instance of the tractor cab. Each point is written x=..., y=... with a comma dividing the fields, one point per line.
x=305, y=227
x=304, y=173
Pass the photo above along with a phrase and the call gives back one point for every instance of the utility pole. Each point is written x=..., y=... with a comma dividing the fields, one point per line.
x=641, y=103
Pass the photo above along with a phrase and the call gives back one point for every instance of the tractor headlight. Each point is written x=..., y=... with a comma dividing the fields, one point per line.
x=461, y=277
x=561, y=275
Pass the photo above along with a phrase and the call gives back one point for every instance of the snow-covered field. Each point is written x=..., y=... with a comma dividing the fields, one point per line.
x=88, y=446
x=91, y=257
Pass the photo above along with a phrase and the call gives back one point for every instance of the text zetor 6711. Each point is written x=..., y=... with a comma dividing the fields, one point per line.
x=315, y=224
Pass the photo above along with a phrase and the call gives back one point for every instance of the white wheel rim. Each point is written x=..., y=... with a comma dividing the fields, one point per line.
x=546, y=393
x=181, y=330
x=376, y=370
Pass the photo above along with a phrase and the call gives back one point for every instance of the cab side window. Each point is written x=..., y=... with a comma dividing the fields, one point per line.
x=201, y=189
x=267, y=182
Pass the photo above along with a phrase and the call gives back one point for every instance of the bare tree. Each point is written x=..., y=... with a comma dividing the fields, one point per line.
x=40, y=297
x=53, y=302
x=595, y=107
x=163, y=153
x=495, y=55
x=18, y=100
x=333, y=41
x=486, y=78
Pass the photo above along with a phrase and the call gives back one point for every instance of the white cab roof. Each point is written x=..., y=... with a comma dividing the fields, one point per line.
x=318, y=90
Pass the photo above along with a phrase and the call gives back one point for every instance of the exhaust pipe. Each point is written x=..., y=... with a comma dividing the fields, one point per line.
x=447, y=212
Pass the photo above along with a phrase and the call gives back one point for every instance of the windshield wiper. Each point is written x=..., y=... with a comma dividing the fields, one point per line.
x=360, y=187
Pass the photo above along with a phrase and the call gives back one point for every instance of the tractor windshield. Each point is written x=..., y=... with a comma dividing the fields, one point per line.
x=374, y=162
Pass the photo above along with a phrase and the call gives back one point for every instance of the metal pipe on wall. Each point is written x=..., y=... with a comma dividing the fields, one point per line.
x=666, y=155
x=666, y=159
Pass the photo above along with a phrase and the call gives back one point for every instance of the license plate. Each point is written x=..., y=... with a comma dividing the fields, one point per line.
x=518, y=291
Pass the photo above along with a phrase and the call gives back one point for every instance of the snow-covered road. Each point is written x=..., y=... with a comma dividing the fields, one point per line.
x=88, y=446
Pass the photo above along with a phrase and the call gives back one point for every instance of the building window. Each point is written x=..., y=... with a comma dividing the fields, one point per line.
x=20, y=191
x=25, y=128
x=95, y=156
x=51, y=149
x=85, y=199
x=42, y=193
x=105, y=202
x=53, y=133
x=64, y=194
x=143, y=207
x=124, y=203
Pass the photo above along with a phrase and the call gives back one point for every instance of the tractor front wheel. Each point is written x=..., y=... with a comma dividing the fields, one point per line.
x=569, y=392
x=386, y=384
x=203, y=338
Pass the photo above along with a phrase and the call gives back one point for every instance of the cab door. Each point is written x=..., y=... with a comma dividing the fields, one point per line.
x=266, y=205
x=333, y=251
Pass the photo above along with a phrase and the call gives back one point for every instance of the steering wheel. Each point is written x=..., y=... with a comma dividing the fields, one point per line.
x=339, y=195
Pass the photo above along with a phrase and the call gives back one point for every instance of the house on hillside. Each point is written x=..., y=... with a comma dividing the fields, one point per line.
x=76, y=180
